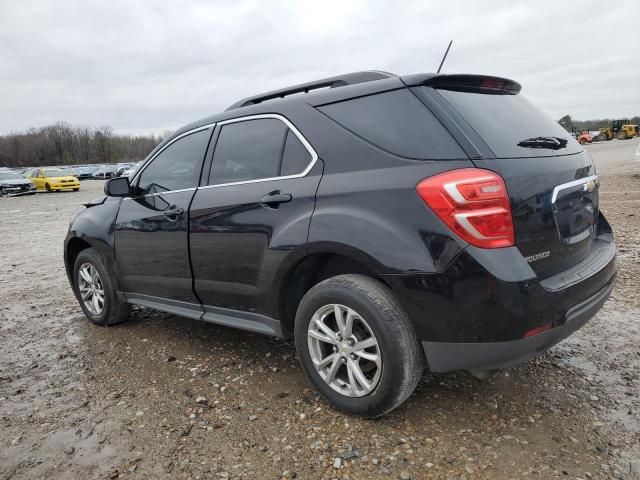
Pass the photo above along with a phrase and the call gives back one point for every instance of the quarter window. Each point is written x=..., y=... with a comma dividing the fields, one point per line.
x=177, y=166
x=295, y=157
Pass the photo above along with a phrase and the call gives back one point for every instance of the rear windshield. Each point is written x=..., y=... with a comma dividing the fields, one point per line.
x=511, y=126
x=397, y=122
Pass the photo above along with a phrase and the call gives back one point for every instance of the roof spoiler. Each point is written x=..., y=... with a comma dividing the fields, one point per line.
x=331, y=82
x=474, y=83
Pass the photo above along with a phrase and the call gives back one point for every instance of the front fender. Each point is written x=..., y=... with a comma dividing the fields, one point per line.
x=94, y=226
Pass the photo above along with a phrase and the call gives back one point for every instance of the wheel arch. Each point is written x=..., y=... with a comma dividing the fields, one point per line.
x=314, y=268
x=73, y=248
x=75, y=244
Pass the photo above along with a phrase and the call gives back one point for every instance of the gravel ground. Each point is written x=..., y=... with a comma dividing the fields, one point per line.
x=167, y=397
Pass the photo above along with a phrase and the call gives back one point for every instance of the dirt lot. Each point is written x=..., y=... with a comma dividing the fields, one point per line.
x=79, y=401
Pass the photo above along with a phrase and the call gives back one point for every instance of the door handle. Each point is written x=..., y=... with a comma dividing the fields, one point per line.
x=274, y=199
x=173, y=213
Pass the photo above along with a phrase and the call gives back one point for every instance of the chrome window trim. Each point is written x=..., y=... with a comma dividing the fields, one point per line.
x=574, y=183
x=283, y=119
x=292, y=127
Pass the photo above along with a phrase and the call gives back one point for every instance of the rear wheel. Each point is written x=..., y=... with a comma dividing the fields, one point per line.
x=95, y=292
x=621, y=136
x=357, y=345
x=47, y=187
x=76, y=189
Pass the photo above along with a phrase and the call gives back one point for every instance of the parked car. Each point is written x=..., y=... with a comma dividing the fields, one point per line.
x=379, y=223
x=130, y=171
x=12, y=183
x=85, y=173
x=53, y=180
x=104, y=172
x=123, y=168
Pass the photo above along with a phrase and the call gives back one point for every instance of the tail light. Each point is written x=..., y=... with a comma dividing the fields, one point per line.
x=473, y=203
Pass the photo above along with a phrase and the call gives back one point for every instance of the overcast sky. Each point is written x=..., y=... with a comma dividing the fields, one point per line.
x=154, y=67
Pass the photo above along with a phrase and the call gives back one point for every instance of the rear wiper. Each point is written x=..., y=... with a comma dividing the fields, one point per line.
x=553, y=143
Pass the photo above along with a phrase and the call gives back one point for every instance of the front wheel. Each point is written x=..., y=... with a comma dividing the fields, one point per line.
x=75, y=189
x=357, y=345
x=95, y=292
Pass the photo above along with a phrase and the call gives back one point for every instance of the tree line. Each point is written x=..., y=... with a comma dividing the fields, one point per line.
x=578, y=125
x=64, y=144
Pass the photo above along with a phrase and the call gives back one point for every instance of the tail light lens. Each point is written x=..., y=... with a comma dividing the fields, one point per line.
x=473, y=203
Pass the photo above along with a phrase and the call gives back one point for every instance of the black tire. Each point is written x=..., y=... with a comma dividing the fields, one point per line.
x=47, y=187
x=402, y=358
x=76, y=189
x=114, y=311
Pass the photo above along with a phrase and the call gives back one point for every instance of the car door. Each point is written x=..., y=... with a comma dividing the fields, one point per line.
x=151, y=228
x=38, y=179
x=253, y=214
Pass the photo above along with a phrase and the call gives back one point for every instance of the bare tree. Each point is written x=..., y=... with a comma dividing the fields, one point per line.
x=62, y=143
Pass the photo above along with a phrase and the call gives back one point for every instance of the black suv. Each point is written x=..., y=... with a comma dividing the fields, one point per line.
x=379, y=220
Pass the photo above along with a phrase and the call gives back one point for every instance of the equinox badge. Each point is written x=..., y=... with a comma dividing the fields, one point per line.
x=537, y=256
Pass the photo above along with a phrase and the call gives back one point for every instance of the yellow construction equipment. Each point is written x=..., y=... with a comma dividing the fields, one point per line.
x=620, y=129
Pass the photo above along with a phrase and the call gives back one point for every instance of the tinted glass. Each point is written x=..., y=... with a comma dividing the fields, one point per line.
x=398, y=123
x=503, y=121
x=295, y=157
x=248, y=151
x=177, y=166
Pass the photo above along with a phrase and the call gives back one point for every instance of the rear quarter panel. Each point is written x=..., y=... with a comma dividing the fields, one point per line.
x=377, y=216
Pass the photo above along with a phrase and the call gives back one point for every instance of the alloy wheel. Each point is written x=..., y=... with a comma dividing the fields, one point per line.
x=344, y=350
x=91, y=288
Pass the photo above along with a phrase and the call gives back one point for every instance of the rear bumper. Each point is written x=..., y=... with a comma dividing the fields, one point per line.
x=449, y=356
x=478, y=313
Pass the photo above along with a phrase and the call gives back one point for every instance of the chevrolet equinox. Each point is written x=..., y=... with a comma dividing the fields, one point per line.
x=380, y=221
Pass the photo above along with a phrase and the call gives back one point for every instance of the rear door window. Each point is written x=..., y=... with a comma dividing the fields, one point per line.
x=250, y=150
x=510, y=125
x=396, y=122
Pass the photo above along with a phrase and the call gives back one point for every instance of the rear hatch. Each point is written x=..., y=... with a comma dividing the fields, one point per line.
x=550, y=178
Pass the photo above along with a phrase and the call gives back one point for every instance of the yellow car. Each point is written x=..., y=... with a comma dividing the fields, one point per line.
x=53, y=179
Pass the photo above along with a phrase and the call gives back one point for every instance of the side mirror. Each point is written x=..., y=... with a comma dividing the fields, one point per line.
x=117, y=187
